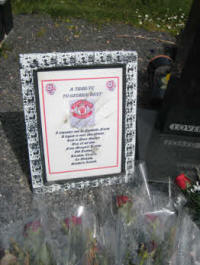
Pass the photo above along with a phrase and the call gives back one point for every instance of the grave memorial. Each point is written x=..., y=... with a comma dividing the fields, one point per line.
x=180, y=110
x=173, y=131
x=80, y=114
x=6, y=19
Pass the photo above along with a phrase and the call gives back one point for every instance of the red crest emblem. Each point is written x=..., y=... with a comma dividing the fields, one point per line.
x=82, y=109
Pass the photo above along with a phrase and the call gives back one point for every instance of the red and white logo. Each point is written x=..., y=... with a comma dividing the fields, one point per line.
x=50, y=88
x=111, y=85
x=82, y=109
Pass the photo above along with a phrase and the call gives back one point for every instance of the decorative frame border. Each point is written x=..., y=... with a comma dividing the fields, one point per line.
x=29, y=63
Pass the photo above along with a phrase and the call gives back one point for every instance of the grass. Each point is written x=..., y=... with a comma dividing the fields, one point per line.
x=4, y=50
x=162, y=15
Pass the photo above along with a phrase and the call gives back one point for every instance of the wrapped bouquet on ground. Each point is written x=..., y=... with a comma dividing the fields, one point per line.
x=148, y=233
x=126, y=224
x=29, y=247
x=191, y=190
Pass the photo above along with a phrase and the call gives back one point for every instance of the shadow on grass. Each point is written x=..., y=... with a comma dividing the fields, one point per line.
x=14, y=127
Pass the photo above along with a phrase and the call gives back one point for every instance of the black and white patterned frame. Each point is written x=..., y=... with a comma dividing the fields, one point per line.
x=31, y=62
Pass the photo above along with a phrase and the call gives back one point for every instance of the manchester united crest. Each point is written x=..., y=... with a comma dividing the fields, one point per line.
x=82, y=113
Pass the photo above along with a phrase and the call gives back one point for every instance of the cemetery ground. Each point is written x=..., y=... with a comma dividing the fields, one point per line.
x=41, y=34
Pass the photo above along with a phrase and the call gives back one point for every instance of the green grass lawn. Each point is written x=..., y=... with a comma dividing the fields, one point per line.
x=162, y=15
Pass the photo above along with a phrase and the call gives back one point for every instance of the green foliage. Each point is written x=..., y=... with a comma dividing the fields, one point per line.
x=167, y=15
x=4, y=50
x=41, y=32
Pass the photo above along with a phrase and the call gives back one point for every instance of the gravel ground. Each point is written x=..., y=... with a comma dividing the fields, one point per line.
x=35, y=34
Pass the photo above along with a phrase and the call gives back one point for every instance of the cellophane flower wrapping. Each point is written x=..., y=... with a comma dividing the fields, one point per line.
x=146, y=223
x=189, y=187
x=27, y=242
x=124, y=224
x=73, y=236
x=188, y=238
x=69, y=223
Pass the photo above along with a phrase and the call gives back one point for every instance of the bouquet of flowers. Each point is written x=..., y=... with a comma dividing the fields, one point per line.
x=101, y=230
x=97, y=253
x=191, y=190
x=68, y=234
x=187, y=239
x=126, y=224
x=73, y=249
x=29, y=248
x=147, y=228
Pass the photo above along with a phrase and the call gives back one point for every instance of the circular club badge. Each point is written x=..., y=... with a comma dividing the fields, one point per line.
x=82, y=109
x=111, y=85
x=50, y=88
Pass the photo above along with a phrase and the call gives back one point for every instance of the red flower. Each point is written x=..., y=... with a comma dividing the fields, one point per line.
x=76, y=220
x=32, y=227
x=121, y=200
x=182, y=181
x=66, y=222
x=151, y=217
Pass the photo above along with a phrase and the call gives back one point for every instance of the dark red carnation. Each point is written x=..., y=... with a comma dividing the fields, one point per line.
x=121, y=200
x=182, y=181
x=66, y=222
x=32, y=227
x=76, y=220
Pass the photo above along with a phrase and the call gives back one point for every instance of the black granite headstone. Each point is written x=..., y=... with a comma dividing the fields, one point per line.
x=166, y=156
x=180, y=113
x=6, y=20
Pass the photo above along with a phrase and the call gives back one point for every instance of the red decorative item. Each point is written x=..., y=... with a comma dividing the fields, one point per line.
x=121, y=200
x=66, y=222
x=82, y=109
x=76, y=220
x=182, y=181
x=32, y=227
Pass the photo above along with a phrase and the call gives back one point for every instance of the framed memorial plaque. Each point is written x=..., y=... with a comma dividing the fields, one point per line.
x=80, y=114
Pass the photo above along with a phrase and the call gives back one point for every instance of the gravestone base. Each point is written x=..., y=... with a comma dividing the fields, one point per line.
x=165, y=155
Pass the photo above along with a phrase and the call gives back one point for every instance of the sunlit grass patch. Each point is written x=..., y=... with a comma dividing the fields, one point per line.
x=172, y=23
x=162, y=15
